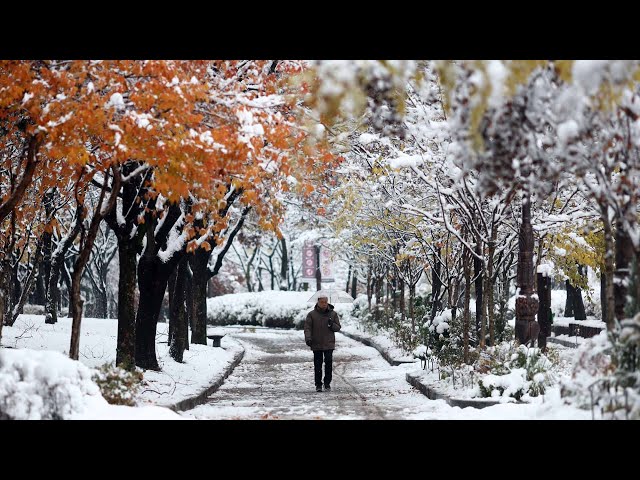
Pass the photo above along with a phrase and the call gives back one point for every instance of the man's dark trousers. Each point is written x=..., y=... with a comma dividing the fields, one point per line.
x=317, y=364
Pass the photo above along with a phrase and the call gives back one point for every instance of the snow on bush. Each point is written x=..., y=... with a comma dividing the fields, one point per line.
x=606, y=372
x=29, y=309
x=517, y=372
x=271, y=308
x=441, y=323
x=117, y=385
x=37, y=385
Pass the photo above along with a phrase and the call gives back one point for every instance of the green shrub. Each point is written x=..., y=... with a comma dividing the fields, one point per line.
x=514, y=371
x=117, y=385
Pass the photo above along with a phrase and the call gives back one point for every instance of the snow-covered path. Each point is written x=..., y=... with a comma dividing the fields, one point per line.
x=275, y=380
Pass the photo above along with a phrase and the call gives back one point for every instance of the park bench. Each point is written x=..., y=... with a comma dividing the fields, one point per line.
x=216, y=339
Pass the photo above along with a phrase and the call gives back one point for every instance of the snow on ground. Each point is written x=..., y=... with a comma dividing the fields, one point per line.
x=350, y=325
x=47, y=385
x=275, y=381
x=203, y=364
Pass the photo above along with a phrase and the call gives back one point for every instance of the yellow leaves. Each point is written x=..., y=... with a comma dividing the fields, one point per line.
x=206, y=246
x=520, y=71
x=571, y=248
x=564, y=68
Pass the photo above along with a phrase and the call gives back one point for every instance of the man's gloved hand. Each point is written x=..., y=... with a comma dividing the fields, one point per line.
x=330, y=324
x=308, y=342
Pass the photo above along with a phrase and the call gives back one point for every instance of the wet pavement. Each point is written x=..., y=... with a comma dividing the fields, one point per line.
x=275, y=381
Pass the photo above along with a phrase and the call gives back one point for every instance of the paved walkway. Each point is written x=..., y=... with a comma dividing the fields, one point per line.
x=275, y=381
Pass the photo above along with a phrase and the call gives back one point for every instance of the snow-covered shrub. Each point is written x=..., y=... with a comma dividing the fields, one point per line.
x=510, y=371
x=422, y=308
x=444, y=338
x=267, y=308
x=607, y=372
x=592, y=363
x=117, y=385
x=403, y=335
x=360, y=306
x=31, y=309
x=42, y=384
x=273, y=308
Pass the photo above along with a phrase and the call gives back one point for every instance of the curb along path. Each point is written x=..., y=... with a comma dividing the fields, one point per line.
x=413, y=379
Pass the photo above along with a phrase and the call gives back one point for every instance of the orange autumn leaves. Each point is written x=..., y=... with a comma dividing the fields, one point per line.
x=201, y=126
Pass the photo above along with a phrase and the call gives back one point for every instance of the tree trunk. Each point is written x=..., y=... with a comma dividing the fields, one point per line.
x=28, y=284
x=76, y=277
x=126, y=344
x=544, y=309
x=394, y=293
x=260, y=287
x=189, y=301
x=199, y=261
x=379, y=299
x=570, y=303
x=58, y=268
x=101, y=300
x=294, y=278
x=66, y=278
x=603, y=298
x=16, y=293
x=39, y=296
x=348, y=280
x=272, y=272
x=369, y=287
x=248, y=270
x=578, y=304
x=436, y=284
x=485, y=313
x=501, y=323
x=5, y=282
x=454, y=293
x=284, y=266
x=171, y=288
x=624, y=255
x=83, y=258
x=178, y=314
x=129, y=235
x=402, y=299
x=153, y=276
x=608, y=299
x=354, y=284
x=491, y=287
x=412, y=298
x=477, y=272
x=467, y=301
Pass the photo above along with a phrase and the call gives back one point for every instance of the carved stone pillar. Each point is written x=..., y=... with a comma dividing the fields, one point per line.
x=526, y=303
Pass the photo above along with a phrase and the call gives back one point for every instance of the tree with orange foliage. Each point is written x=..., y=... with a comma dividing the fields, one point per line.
x=89, y=117
x=180, y=130
x=260, y=145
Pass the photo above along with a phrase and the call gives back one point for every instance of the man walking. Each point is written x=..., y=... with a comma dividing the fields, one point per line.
x=319, y=328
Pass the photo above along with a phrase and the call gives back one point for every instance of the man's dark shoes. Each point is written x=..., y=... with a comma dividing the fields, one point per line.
x=318, y=389
x=327, y=387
